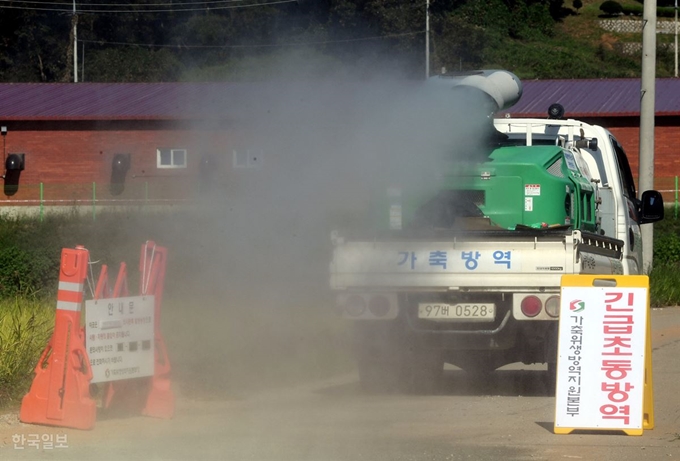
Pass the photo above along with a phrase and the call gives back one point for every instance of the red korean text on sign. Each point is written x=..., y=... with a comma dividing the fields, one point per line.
x=617, y=329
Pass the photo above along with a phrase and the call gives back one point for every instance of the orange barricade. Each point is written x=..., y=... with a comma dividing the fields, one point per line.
x=149, y=396
x=60, y=394
x=161, y=400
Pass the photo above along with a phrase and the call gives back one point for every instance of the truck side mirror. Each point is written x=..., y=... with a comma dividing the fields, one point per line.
x=119, y=168
x=14, y=165
x=651, y=207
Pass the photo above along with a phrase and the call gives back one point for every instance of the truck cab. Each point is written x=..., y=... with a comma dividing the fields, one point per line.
x=620, y=212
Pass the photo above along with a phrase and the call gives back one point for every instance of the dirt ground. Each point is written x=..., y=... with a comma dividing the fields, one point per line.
x=510, y=418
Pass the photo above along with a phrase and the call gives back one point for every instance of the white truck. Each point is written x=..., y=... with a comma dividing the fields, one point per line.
x=471, y=274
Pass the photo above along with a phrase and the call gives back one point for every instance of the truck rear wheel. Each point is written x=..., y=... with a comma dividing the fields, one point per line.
x=423, y=371
x=378, y=375
x=551, y=378
x=389, y=361
x=377, y=361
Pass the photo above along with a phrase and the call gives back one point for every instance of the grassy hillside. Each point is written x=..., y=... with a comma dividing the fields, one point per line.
x=580, y=48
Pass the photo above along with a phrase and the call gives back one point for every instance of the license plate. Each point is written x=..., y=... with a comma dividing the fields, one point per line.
x=479, y=312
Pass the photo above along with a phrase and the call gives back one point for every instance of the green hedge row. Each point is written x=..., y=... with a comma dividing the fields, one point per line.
x=30, y=249
x=614, y=8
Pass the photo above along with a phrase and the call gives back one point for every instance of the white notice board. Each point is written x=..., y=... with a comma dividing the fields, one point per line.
x=119, y=337
x=602, y=355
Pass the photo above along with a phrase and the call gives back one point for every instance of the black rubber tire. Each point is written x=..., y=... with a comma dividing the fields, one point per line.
x=551, y=378
x=390, y=361
x=423, y=372
x=378, y=374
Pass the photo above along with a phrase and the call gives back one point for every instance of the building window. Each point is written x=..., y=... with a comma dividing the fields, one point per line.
x=247, y=158
x=171, y=158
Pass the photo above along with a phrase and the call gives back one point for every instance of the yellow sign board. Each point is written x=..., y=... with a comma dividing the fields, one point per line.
x=604, y=365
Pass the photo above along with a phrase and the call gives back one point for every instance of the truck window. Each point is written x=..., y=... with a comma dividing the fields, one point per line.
x=594, y=163
x=624, y=170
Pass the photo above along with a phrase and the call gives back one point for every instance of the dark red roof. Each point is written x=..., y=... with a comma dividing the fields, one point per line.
x=116, y=101
x=595, y=98
x=186, y=101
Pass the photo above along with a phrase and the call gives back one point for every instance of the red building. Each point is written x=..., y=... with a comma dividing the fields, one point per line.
x=615, y=104
x=163, y=142
x=119, y=142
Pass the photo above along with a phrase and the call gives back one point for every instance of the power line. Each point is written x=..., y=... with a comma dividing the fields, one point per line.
x=141, y=10
x=70, y=4
x=271, y=45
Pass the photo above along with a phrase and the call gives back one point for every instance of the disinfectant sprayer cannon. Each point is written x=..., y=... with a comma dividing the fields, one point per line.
x=473, y=99
x=499, y=88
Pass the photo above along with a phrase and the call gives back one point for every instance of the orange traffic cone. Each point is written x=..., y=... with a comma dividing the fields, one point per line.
x=60, y=394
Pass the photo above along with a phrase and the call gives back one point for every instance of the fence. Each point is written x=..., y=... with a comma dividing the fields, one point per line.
x=668, y=186
x=94, y=197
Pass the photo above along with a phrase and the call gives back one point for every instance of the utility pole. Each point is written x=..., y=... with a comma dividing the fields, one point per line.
x=75, y=43
x=647, y=110
x=427, y=39
x=676, y=38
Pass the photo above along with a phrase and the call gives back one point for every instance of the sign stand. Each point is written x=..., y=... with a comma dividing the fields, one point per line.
x=160, y=402
x=104, y=291
x=129, y=329
x=604, y=366
x=149, y=395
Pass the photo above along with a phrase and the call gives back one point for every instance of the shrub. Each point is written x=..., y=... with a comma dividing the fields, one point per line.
x=664, y=280
x=25, y=327
x=611, y=8
x=632, y=10
x=666, y=12
x=25, y=265
x=667, y=248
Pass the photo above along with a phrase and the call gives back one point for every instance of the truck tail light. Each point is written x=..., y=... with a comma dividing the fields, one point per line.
x=552, y=306
x=531, y=306
x=355, y=306
x=379, y=306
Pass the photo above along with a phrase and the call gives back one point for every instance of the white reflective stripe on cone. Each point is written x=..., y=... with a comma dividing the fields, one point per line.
x=71, y=286
x=68, y=306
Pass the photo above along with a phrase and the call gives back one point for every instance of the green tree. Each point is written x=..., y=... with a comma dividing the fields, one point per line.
x=133, y=64
x=611, y=8
x=364, y=34
x=577, y=4
x=33, y=46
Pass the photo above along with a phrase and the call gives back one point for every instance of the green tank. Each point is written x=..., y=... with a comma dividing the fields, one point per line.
x=518, y=187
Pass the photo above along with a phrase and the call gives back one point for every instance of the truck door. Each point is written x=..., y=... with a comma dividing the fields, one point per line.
x=633, y=239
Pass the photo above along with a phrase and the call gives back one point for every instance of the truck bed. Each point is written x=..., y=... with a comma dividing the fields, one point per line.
x=457, y=260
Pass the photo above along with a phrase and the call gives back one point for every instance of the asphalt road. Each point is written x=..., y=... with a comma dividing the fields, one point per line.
x=509, y=418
